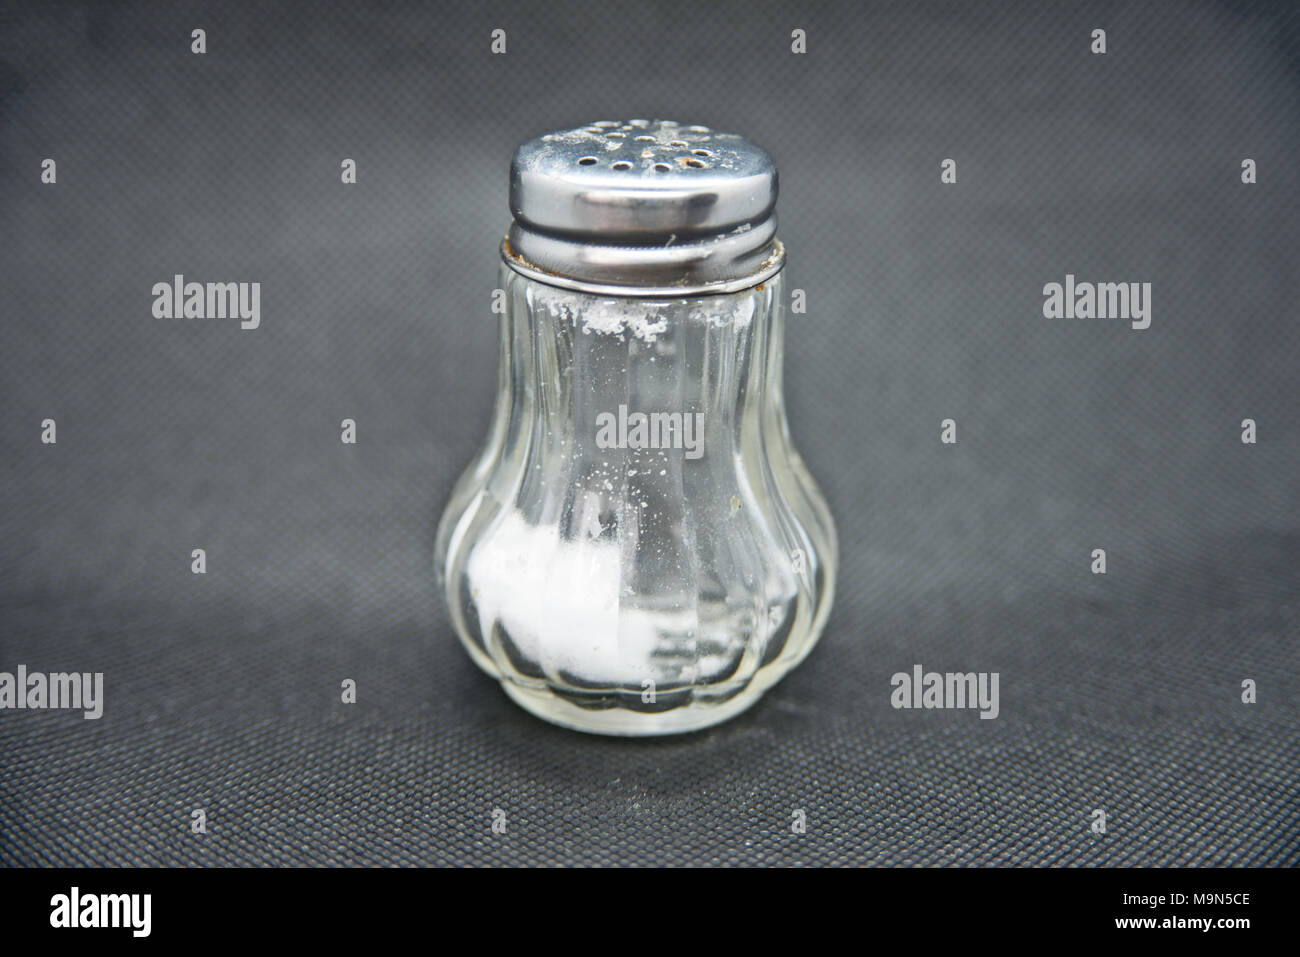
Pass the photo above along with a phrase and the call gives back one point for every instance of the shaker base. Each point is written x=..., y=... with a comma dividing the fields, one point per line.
x=635, y=724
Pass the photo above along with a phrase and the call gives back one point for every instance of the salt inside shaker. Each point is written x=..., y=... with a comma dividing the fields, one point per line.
x=638, y=548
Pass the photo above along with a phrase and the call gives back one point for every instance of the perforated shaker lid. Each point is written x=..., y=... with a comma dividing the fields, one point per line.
x=644, y=207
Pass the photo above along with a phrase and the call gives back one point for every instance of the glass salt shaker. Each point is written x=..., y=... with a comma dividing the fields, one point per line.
x=638, y=549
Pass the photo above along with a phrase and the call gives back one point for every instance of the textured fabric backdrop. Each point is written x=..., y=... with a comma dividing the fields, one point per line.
x=1118, y=691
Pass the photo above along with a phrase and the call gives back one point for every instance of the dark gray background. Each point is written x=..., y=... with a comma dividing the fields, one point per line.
x=222, y=691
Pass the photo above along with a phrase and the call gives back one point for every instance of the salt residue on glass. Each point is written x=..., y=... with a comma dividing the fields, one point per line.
x=644, y=319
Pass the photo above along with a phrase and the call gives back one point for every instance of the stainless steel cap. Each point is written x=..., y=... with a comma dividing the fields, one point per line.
x=643, y=207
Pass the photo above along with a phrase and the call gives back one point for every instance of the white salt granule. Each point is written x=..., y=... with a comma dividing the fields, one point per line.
x=564, y=607
x=615, y=317
x=559, y=601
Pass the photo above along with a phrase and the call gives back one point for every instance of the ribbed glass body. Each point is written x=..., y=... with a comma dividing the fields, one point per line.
x=638, y=548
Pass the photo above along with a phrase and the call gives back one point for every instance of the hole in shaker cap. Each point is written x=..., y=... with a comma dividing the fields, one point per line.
x=694, y=164
x=616, y=135
x=662, y=167
x=586, y=161
x=677, y=143
x=702, y=152
x=645, y=139
x=621, y=165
